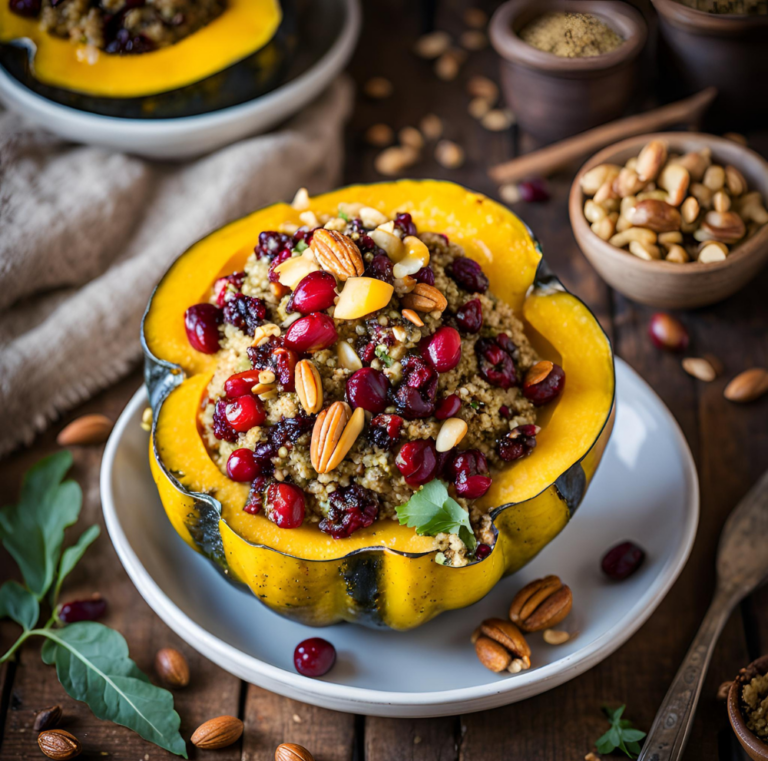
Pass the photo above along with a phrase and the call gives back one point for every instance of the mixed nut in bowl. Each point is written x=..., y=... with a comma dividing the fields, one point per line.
x=674, y=220
x=372, y=404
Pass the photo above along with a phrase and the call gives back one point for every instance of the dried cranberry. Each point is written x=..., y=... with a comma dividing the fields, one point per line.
x=283, y=256
x=221, y=427
x=404, y=223
x=123, y=43
x=225, y=287
x=470, y=474
x=444, y=464
x=290, y=429
x=543, y=382
x=262, y=458
x=504, y=411
x=448, y=407
x=367, y=388
x=241, y=465
x=302, y=235
x=508, y=345
x=83, y=610
x=351, y=508
x=518, y=443
x=622, y=561
x=312, y=333
x=469, y=318
x=245, y=312
x=534, y=191
x=245, y=412
x=495, y=364
x=384, y=431
x=417, y=461
x=241, y=384
x=468, y=274
x=366, y=350
x=482, y=551
x=285, y=505
x=28, y=8
x=314, y=657
x=415, y=397
x=270, y=243
x=285, y=361
x=367, y=245
x=202, y=325
x=443, y=349
x=314, y=293
x=255, y=500
x=381, y=268
x=425, y=275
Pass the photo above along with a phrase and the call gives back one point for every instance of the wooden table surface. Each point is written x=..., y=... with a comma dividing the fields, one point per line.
x=729, y=444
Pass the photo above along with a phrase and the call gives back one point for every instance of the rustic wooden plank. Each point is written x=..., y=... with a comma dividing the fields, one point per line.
x=412, y=739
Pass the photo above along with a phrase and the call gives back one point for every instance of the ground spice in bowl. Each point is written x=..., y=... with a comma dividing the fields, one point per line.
x=755, y=705
x=571, y=35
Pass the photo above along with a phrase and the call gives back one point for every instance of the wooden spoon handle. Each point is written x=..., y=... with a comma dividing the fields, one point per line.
x=544, y=162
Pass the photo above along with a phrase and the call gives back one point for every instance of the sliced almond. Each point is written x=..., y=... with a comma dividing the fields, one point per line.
x=747, y=386
x=451, y=433
x=338, y=254
x=425, y=298
x=309, y=386
x=88, y=429
x=413, y=318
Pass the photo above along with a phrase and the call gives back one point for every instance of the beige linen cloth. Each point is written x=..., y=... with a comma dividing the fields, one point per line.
x=85, y=234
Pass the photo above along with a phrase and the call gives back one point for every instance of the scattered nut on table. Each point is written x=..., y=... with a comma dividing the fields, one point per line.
x=706, y=205
x=172, y=667
x=217, y=733
x=292, y=752
x=501, y=646
x=542, y=604
x=59, y=744
x=48, y=718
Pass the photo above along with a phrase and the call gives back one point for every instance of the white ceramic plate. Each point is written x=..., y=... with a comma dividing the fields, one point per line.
x=646, y=490
x=191, y=135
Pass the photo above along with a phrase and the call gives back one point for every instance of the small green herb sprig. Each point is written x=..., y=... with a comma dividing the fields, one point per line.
x=621, y=735
x=91, y=659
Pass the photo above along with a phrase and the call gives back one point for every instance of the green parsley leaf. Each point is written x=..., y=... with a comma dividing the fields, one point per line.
x=474, y=405
x=19, y=604
x=32, y=531
x=92, y=664
x=621, y=735
x=381, y=352
x=300, y=247
x=344, y=215
x=431, y=511
x=72, y=555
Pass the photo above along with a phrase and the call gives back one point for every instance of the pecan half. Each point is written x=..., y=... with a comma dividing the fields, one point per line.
x=336, y=430
x=500, y=645
x=309, y=386
x=425, y=298
x=542, y=604
x=337, y=254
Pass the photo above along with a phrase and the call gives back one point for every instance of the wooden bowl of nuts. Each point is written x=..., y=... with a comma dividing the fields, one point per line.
x=676, y=220
x=746, y=708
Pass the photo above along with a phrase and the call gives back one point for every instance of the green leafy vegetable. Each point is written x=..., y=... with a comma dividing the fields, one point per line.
x=381, y=352
x=91, y=660
x=300, y=247
x=19, y=604
x=93, y=666
x=432, y=511
x=621, y=735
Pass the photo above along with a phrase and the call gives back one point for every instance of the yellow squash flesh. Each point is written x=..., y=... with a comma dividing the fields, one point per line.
x=243, y=28
x=385, y=574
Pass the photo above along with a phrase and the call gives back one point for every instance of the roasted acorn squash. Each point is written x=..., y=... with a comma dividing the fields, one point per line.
x=239, y=54
x=384, y=574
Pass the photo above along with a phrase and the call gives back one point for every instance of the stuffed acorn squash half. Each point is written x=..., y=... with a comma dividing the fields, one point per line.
x=373, y=404
x=146, y=58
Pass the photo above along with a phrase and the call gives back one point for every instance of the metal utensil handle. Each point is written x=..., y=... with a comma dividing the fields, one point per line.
x=672, y=725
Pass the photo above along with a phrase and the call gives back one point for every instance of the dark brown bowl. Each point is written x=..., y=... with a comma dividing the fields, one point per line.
x=554, y=97
x=699, y=49
x=755, y=748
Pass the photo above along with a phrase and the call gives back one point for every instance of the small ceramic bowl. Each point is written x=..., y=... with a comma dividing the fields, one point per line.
x=554, y=97
x=665, y=284
x=755, y=748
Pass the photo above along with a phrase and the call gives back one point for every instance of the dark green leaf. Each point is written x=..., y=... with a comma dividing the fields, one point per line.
x=32, y=531
x=466, y=535
x=604, y=744
x=633, y=747
x=614, y=736
x=71, y=556
x=19, y=604
x=431, y=511
x=92, y=664
x=632, y=735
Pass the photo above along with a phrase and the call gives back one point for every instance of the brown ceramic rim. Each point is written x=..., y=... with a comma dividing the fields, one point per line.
x=622, y=18
x=701, y=22
x=758, y=748
x=576, y=204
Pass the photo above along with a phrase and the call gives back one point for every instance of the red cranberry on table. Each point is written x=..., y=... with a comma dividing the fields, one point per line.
x=202, y=325
x=285, y=505
x=367, y=388
x=245, y=412
x=533, y=191
x=314, y=293
x=468, y=274
x=443, y=349
x=88, y=609
x=469, y=318
x=470, y=474
x=417, y=462
x=241, y=465
x=543, y=382
x=312, y=333
x=667, y=332
x=621, y=561
x=448, y=407
x=314, y=657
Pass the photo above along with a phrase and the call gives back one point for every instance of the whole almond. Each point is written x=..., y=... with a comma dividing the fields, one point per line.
x=338, y=254
x=218, y=733
x=651, y=160
x=292, y=752
x=88, y=429
x=425, y=298
x=59, y=744
x=747, y=386
x=655, y=215
x=47, y=718
x=701, y=367
x=309, y=386
x=172, y=667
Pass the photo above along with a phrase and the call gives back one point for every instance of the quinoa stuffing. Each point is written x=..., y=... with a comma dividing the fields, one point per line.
x=358, y=360
x=754, y=695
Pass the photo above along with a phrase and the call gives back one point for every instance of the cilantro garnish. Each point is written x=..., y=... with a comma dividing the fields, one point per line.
x=474, y=405
x=431, y=511
x=381, y=352
x=621, y=735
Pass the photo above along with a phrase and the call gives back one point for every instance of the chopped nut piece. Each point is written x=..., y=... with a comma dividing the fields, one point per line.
x=301, y=200
x=473, y=39
x=432, y=45
x=393, y=160
x=448, y=65
x=431, y=127
x=723, y=690
x=502, y=646
x=378, y=88
x=497, y=120
x=555, y=637
x=701, y=368
x=449, y=154
x=413, y=317
x=380, y=135
x=410, y=136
